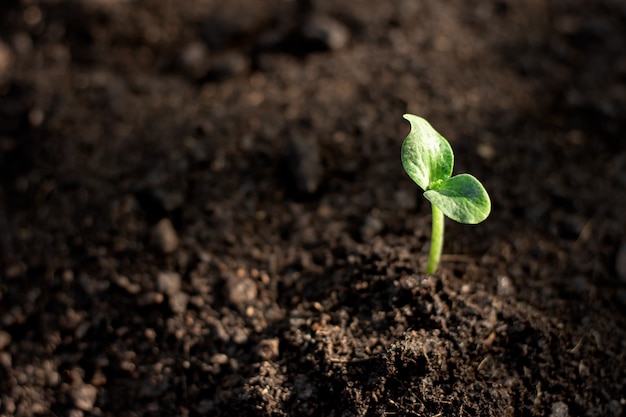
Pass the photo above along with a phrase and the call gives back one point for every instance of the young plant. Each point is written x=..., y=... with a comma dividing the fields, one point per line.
x=428, y=159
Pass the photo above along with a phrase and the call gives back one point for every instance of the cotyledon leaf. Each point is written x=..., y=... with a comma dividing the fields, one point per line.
x=426, y=155
x=461, y=198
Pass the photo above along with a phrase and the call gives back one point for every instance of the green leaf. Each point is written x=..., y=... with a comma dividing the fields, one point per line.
x=426, y=155
x=462, y=198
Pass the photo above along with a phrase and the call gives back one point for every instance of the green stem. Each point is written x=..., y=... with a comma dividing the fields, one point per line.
x=436, y=240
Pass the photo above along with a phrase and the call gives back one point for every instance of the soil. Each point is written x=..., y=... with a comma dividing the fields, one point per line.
x=203, y=210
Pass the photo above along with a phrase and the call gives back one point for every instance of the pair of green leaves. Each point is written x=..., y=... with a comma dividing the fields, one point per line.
x=428, y=159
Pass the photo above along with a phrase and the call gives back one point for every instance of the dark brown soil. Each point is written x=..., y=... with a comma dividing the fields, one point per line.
x=203, y=210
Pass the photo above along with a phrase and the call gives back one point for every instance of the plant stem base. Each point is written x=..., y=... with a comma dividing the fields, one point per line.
x=436, y=240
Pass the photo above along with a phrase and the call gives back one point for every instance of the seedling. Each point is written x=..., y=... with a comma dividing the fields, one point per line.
x=428, y=159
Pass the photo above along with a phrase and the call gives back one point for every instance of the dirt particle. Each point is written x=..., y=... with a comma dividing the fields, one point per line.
x=241, y=291
x=505, y=286
x=325, y=33
x=5, y=339
x=84, y=396
x=194, y=60
x=98, y=379
x=169, y=283
x=92, y=285
x=9, y=405
x=305, y=163
x=559, y=409
x=151, y=297
x=75, y=413
x=219, y=359
x=164, y=236
x=178, y=302
x=123, y=282
x=15, y=270
x=217, y=329
x=486, y=151
x=240, y=335
x=268, y=349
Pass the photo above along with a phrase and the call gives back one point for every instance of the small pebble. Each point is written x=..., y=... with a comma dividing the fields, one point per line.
x=486, y=151
x=241, y=291
x=559, y=409
x=5, y=339
x=178, y=302
x=6, y=360
x=306, y=164
x=219, y=359
x=164, y=236
x=151, y=297
x=505, y=286
x=84, y=396
x=169, y=282
x=326, y=32
x=75, y=413
x=92, y=285
x=194, y=60
x=9, y=405
x=125, y=283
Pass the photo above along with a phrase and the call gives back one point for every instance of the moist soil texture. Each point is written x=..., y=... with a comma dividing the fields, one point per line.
x=203, y=210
